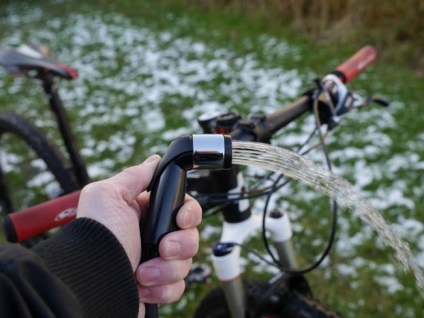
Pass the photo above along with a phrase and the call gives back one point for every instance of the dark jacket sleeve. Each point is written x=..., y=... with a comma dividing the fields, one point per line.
x=84, y=264
x=28, y=289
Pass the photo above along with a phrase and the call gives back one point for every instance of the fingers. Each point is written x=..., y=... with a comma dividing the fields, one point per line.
x=190, y=214
x=179, y=245
x=183, y=244
x=161, y=280
x=162, y=294
x=123, y=188
x=134, y=180
x=157, y=272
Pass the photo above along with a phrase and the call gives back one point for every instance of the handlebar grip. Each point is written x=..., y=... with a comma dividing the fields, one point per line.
x=23, y=224
x=353, y=66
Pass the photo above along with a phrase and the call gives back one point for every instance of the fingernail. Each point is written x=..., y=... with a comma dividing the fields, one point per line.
x=173, y=249
x=188, y=218
x=152, y=158
x=149, y=275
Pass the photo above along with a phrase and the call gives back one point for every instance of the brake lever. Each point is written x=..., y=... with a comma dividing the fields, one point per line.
x=374, y=99
x=380, y=101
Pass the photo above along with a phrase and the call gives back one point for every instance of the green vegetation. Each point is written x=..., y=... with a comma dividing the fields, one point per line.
x=395, y=27
x=148, y=68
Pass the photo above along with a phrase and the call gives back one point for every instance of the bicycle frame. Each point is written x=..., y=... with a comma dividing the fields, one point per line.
x=56, y=106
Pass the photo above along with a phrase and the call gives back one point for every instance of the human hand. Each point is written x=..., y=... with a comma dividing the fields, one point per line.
x=118, y=203
x=161, y=280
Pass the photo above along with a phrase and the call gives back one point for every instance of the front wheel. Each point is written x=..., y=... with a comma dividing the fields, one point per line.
x=282, y=302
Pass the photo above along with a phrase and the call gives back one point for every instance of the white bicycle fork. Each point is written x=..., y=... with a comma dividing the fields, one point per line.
x=226, y=260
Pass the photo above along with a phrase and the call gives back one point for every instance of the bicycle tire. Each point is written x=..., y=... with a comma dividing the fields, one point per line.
x=283, y=303
x=33, y=137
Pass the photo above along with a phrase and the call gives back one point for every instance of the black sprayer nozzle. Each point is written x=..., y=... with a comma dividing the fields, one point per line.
x=168, y=187
x=196, y=152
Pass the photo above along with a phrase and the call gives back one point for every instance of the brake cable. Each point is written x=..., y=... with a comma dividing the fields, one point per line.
x=335, y=206
x=276, y=186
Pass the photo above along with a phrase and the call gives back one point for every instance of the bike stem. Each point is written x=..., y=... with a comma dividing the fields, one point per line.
x=56, y=106
x=168, y=188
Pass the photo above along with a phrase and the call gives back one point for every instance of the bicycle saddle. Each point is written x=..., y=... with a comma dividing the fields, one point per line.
x=27, y=58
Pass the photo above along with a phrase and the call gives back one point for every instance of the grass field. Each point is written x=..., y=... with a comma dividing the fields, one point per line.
x=147, y=70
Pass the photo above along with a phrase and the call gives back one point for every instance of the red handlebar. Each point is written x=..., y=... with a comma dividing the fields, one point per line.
x=40, y=218
x=356, y=63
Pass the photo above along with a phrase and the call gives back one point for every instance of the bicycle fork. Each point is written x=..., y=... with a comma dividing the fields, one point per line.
x=226, y=253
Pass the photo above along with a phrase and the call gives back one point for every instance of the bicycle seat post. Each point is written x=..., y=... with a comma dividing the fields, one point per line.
x=56, y=106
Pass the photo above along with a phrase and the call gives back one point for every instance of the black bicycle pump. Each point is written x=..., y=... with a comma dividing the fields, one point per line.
x=168, y=187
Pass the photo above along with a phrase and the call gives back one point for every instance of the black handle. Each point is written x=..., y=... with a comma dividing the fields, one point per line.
x=166, y=198
x=168, y=187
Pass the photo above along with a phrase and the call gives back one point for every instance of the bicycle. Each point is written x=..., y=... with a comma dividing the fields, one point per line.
x=287, y=294
x=36, y=63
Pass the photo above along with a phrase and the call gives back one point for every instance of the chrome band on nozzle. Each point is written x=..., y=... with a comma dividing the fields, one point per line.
x=211, y=151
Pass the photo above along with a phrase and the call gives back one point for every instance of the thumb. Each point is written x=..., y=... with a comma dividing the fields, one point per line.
x=134, y=180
